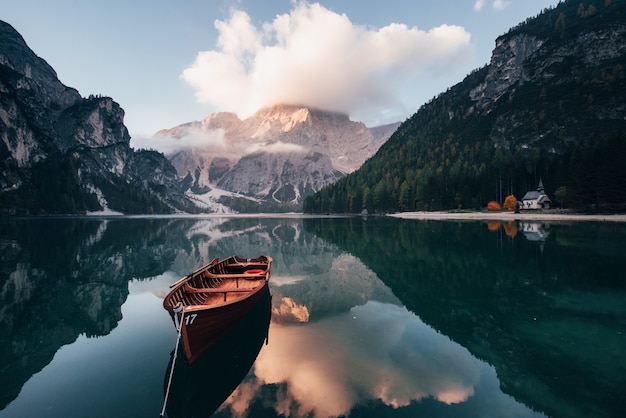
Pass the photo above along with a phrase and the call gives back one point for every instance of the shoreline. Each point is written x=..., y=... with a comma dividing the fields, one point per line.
x=508, y=216
x=433, y=216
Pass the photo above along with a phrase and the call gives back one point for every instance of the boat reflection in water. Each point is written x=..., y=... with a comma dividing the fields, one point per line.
x=199, y=389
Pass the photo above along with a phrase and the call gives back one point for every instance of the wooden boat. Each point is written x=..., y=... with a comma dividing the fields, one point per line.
x=212, y=299
x=199, y=389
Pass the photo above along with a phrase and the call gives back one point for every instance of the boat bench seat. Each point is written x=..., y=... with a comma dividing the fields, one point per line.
x=249, y=276
x=190, y=289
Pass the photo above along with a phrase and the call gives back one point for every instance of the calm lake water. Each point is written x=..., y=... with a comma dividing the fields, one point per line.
x=376, y=317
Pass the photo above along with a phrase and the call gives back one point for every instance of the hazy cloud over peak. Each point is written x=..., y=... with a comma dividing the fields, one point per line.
x=188, y=137
x=313, y=56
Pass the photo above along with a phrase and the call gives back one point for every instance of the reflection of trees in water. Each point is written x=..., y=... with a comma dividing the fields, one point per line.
x=502, y=297
x=335, y=281
x=63, y=277
x=66, y=277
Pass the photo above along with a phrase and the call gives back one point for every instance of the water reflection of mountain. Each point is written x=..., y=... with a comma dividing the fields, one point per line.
x=550, y=321
x=62, y=278
x=297, y=254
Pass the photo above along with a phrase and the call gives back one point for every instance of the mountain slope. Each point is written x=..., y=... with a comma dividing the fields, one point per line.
x=280, y=154
x=550, y=105
x=61, y=153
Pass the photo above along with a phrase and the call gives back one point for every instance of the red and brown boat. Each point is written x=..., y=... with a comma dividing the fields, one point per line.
x=212, y=299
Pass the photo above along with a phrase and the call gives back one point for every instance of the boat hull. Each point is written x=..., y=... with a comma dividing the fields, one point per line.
x=203, y=327
x=198, y=390
x=207, y=303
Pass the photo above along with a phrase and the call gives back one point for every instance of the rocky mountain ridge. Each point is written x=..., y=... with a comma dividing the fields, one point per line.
x=281, y=153
x=62, y=153
x=549, y=105
x=578, y=61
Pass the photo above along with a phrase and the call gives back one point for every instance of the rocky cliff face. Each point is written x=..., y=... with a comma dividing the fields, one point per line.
x=282, y=153
x=31, y=98
x=555, y=69
x=550, y=105
x=61, y=153
x=506, y=68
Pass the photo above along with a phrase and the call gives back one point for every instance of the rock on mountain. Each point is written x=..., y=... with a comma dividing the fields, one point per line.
x=559, y=71
x=280, y=154
x=550, y=105
x=62, y=153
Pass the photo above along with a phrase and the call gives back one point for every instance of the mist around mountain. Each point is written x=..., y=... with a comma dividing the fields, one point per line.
x=63, y=154
x=272, y=159
x=550, y=106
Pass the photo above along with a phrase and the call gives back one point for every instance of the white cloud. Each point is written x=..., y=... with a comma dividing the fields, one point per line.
x=498, y=5
x=478, y=6
x=186, y=137
x=316, y=57
x=275, y=148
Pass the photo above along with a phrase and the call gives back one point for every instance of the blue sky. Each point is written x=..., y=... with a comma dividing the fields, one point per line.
x=168, y=63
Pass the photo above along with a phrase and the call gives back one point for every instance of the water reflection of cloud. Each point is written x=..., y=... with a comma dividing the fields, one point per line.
x=287, y=279
x=376, y=351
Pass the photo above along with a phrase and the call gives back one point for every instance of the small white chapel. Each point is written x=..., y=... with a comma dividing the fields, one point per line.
x=535, y=199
